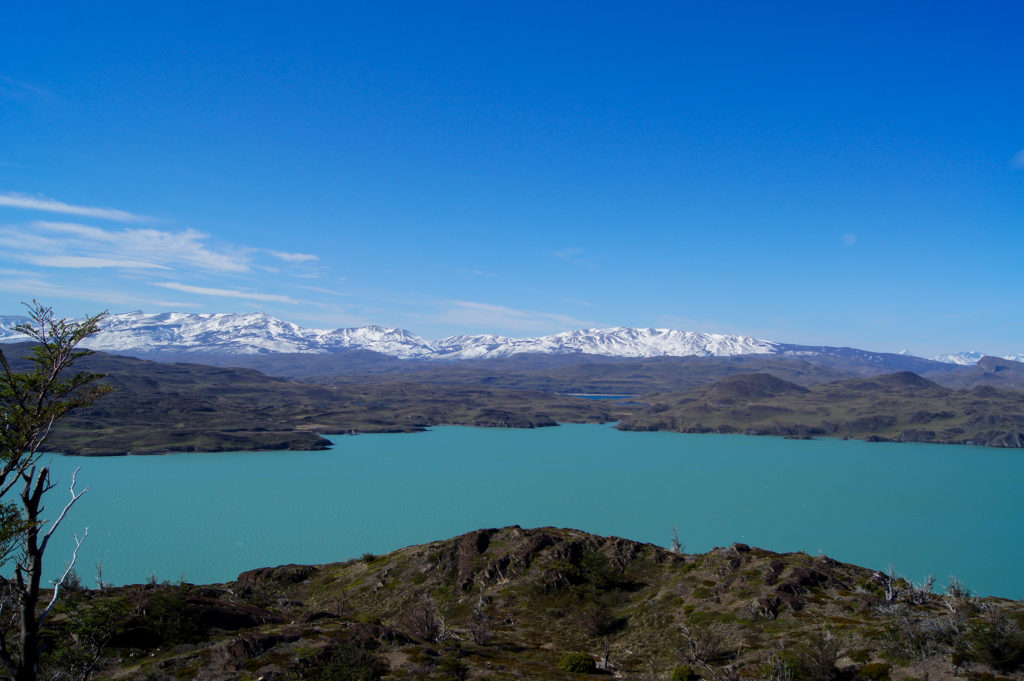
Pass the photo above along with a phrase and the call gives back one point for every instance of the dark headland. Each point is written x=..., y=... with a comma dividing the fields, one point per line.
x=163, y=407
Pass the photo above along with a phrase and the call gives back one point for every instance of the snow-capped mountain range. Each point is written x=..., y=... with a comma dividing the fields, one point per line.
x=258, y=333
x=971, y=357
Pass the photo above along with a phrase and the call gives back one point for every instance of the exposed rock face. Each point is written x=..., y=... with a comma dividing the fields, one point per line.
x=998, y=438
x=283, y=575
x=499, y=418
x=254, y=644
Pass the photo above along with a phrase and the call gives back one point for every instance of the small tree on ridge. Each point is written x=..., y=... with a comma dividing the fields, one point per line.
x=30, y=403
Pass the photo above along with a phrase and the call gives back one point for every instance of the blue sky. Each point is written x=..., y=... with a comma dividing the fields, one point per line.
x=821, y=173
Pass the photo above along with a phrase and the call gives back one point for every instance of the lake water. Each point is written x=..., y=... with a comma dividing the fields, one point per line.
x=927, y=509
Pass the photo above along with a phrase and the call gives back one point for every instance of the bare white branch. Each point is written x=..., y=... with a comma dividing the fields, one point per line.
x=67, y=571
x=56, y=523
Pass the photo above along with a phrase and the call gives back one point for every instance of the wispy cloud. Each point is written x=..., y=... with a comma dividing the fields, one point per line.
x=67, y=244
x=41, y=203
x=849, y=239
x=480, y=273
x=293, y=257
x=30, y=285
x=226, y=292
x=21, y=91
x=576, y=256
x=680, y=323
x=1018, y=159
x=320, y=289
x=485, y=315
x=87, y=262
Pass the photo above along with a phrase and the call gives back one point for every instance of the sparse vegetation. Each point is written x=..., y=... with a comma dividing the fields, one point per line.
x=345, y=662
x=516, y=603
x=901, y=407
x=577, y=663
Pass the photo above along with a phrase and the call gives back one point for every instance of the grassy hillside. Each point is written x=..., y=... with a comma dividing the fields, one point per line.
x=901, y=407
x=548, y=604
x=189, y=407
x=161, y=407
x=599, y=374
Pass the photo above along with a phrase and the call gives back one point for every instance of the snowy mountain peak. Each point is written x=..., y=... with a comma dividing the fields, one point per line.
x=256, y=332
x=963, y=358
x=971, y=358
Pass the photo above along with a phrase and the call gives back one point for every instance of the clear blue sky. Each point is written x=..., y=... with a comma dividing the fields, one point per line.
x=821, y=173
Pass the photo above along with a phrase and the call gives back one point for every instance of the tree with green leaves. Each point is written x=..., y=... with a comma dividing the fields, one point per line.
x=31, y=401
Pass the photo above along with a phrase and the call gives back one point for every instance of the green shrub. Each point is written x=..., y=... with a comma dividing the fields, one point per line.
x=816, y=660
x=997, y=641
x=875, y=671
x=451, y=668
x=684, y=672
x=577, y=663
x=171, y=619
x=347, y=662
x=91, y=622
x=702, y=592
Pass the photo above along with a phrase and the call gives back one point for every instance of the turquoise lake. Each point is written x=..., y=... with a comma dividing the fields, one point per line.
x=926, y=509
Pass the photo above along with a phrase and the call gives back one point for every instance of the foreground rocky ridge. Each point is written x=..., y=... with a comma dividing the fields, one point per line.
x=548, y=604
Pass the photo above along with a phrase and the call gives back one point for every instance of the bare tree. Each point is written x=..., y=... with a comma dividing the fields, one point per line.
x=676, y=546
x=888, y=582
x=480, y=629
x=30, y=403
x=422, y=620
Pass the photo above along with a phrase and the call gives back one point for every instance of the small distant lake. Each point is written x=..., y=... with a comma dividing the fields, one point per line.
x=927, y=509
x=621, y=399
x=598, y=396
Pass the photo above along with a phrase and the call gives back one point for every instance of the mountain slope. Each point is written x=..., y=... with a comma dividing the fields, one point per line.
x=258, y=341
x=161, y=407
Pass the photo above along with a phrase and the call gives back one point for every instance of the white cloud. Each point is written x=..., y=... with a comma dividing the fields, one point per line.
x=227, y=293
x=567, y=253
x=1018, y=159
x=320, y=289
x=293, y=257
x=84, y=261
x=41, y=203
x=68, y=244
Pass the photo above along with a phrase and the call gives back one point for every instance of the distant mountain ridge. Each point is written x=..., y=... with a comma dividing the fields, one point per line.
x=257, y=333
x=972, y=357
